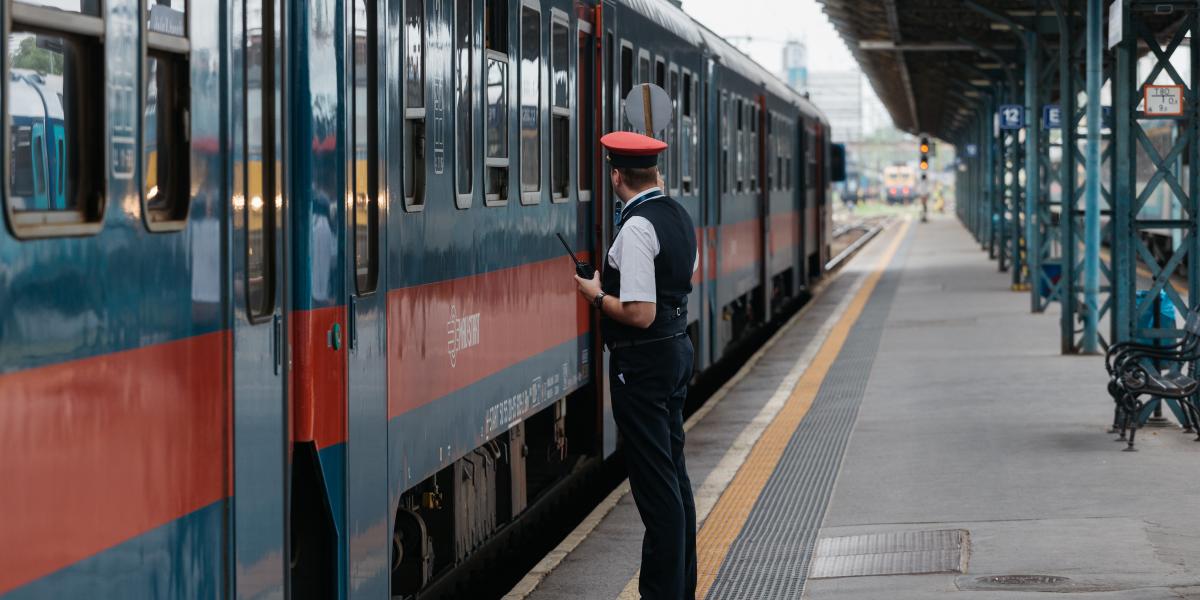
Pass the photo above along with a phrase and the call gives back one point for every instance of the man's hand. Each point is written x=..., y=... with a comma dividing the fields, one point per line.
x=588, y=288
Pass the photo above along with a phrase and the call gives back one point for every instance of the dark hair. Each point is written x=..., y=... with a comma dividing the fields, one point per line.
x=639, y=177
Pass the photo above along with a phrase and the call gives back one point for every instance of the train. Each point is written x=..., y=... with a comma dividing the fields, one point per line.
x=900, y=183
x=282, y=309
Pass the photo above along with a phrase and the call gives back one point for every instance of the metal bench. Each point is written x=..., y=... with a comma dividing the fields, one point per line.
x=1138, y=371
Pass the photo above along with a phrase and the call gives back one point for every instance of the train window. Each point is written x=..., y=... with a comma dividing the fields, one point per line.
x=752, y=149
x=741, y=143
x=671, y=173
x=464, y=65
x=165, y=127
x=643, y=66
x=495, y=20
x=495, y=25
x=660, y=72
x=366, y=147
x=560, y=107
x=584, y=114
x=687, y=145
x=256, y=178
x=54, y=122
x=723, y=133
x=691, y=172
x=626, y=79
x=414, y=104
x=531, y=105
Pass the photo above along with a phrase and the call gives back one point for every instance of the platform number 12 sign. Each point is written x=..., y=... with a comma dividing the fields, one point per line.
x=1012, y=116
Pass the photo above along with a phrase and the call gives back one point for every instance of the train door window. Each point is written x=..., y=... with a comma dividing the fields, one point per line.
x=414, y=104
x=626, y=79
x=688, y=144
x=464, y=66
x=585, y=113
x=531, y=104
x=366, y=147
x=643, y=66
x=769, y=155
x=560, y=106
x=496, y=159
x=165, y=129
x=258, y=178
x=672, y=163
x=54, y=120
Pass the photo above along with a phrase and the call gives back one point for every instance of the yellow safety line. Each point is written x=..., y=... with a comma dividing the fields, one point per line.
x=729, y=515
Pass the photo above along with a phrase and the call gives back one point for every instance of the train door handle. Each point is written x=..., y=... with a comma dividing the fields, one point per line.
x=277, y=342
x=352, y=322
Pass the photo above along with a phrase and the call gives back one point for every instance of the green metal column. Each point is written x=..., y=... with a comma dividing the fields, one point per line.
x=1067, y=103
x=1032, y=196
x=1124, y=161
x=1091, y=272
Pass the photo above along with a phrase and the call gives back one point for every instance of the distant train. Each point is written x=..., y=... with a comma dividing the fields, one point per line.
x=900, y=183
x=282, y=312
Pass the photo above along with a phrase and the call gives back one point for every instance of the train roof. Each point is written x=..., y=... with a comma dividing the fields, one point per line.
x=672, y=18
x=668, y=16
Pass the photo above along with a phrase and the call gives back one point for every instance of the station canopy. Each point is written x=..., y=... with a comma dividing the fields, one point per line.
x=924, y=57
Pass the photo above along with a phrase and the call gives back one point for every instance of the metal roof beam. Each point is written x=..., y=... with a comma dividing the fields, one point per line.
x=894, y=27
x=888, y=45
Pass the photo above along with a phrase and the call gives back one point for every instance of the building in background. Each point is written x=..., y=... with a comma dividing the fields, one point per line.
x=839, y=94
x=795, y=64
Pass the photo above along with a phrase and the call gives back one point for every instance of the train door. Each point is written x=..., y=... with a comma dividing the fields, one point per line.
x=615, y=55
x=260, y=418
x=367, y=531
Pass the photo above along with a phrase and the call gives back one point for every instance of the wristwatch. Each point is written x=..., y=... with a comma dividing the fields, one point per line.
x=598, y=301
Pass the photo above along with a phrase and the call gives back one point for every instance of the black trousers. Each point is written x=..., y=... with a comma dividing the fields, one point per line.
x=649, y=385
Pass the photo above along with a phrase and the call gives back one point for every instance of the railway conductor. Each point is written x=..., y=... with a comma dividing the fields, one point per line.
x=641, y=294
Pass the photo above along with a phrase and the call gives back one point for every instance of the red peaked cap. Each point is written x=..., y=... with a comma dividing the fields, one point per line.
x=627, y=149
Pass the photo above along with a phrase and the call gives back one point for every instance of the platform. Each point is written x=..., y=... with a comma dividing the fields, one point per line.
x=914, y=417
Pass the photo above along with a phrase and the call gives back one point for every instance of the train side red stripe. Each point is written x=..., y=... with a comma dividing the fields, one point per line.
x=97, y=451
x=447, y=335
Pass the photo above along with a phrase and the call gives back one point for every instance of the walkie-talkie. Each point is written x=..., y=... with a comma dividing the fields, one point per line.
x=582, y=269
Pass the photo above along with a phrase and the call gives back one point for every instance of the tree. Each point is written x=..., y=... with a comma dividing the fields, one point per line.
x=30, y=56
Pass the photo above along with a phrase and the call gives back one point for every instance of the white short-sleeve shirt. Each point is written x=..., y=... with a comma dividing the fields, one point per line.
x=633, y=253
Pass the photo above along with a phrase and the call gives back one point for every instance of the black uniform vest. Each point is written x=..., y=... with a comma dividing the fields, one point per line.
x=672, y=272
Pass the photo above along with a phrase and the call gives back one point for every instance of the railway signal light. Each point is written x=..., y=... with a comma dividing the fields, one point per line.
x=924, y=153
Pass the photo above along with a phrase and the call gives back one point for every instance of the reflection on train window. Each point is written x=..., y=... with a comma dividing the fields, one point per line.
x=495, y=33
x=83, y=7
x=497, y=132
x=464, y=51
x=260, y=200
x=52, y=126
x=670, y=165
x=643, y=67
x=560, y=109
x=414, y=104
x=531, y=104
x=688, y=144
x=660, y=73
x=752, y=148
x=167, y=16
x=165, y=140
x=366, y=147
x=584, y=115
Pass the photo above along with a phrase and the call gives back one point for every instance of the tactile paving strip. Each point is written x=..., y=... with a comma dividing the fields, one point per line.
x=891, y=553
x=770, y=557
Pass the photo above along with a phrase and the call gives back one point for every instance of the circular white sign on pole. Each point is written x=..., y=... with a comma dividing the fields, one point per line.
x=648, y=108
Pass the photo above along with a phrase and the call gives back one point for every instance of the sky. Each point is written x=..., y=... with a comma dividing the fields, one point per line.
x=772, y=22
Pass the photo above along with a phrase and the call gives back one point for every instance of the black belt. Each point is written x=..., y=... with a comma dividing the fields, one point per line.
x=631, y=343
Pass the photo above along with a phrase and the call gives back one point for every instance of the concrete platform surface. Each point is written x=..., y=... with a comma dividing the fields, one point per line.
x=969, y=419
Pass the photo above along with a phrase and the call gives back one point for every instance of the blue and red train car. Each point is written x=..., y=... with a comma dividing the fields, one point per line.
x=282, y=312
